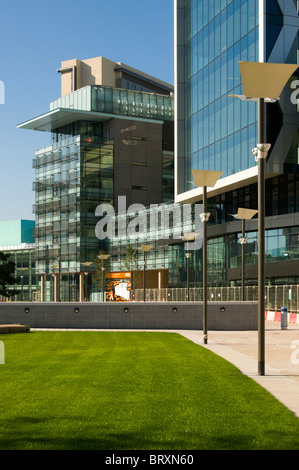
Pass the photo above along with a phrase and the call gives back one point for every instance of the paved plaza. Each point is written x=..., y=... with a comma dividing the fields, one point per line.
x=281, y=357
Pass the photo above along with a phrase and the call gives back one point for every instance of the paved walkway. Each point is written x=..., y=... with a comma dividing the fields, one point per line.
x=240, y=348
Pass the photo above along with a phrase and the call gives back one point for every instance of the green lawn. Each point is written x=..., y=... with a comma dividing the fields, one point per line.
x=132, y=390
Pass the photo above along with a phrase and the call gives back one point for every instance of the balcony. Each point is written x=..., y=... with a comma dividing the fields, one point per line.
x=99, y=103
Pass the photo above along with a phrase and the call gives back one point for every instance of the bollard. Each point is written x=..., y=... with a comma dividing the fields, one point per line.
x=283, y=318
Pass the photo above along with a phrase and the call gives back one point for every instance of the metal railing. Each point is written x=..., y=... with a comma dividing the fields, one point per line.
x=275, y=296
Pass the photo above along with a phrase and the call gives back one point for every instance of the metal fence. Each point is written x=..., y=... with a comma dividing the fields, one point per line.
x=275, y=296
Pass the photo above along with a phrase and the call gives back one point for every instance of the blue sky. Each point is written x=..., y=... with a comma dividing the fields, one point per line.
x=35, y=36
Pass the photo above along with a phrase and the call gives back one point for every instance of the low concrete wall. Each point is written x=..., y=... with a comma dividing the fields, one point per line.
x=222, y=316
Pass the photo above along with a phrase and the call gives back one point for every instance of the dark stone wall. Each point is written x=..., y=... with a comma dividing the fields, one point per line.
x=222, y=316
x=138, y=162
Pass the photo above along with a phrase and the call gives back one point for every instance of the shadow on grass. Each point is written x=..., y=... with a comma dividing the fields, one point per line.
x=43, y=438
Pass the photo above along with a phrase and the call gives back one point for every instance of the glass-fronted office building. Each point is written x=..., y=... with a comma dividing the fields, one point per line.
x=215, y=131
x=17, y=240
x=219, y=131
x=105, y=142
x=161, y=227
x=108, y=141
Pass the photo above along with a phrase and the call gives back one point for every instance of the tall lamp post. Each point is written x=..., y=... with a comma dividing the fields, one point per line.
x=262, y=82
x=87, y=264
x=145, y=249
x=103, y=258
x=86, y=284
x=205, y=179
x=22, y=283
x=244, y=214
x=59, y=275
x=54, y=278
x=188, y=237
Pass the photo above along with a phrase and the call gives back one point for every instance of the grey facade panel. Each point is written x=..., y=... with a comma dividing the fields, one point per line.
x=235, y=317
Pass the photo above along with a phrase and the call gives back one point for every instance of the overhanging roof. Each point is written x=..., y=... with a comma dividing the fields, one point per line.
x=63, y=116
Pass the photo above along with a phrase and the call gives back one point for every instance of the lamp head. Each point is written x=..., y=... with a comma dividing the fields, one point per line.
x=261, y=151
x=190, y=237
x=204, y=217
x=103, y=256
x=246, y=213
x=147, y=247
x=204, y=178
x=245, y=98
x=264, y=79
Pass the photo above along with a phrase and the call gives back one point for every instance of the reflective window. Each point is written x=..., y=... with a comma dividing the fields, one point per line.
x=218, y=36
x=137, y=103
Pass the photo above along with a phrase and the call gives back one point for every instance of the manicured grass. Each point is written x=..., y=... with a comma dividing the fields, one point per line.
x=132, y=390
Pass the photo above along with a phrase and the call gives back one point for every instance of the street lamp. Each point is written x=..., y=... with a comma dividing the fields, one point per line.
x=54, y=266
x=86, y=285
x=188, y=237
x=145, y=249
x=244, y=214
x=263, y=82
x=22, y=282
x=87, y=264
x=205, y=179
x=103, y=258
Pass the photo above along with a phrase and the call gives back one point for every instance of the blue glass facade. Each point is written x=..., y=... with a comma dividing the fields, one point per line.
x=215, y=131
x=219, y=131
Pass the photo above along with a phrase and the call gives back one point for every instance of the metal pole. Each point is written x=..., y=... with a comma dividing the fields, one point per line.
x=86, y=282
x=261, y=243
x=187, y=255
x=204, y=270
x=188, y=267
x=243, y=261
x=42, y=287
x=103, y=281
x=22, y=288
x=144, y=295
x=59, y=275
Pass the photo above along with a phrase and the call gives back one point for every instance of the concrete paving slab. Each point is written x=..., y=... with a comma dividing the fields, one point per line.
x=240, y=348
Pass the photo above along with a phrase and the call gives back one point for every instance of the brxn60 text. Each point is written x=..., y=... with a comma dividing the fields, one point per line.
x=171, y=459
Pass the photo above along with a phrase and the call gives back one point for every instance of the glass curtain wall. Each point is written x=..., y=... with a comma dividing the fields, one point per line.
x=164, y=230
x=57, y=194
x=27, y=281
x=281, y=197
x=225, y=253
x=73, y=177
x=220, y=131
x=132, y=103
x=96, y=184
x=168, y=176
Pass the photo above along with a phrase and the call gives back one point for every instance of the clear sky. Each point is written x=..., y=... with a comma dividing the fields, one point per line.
x=35, y=36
